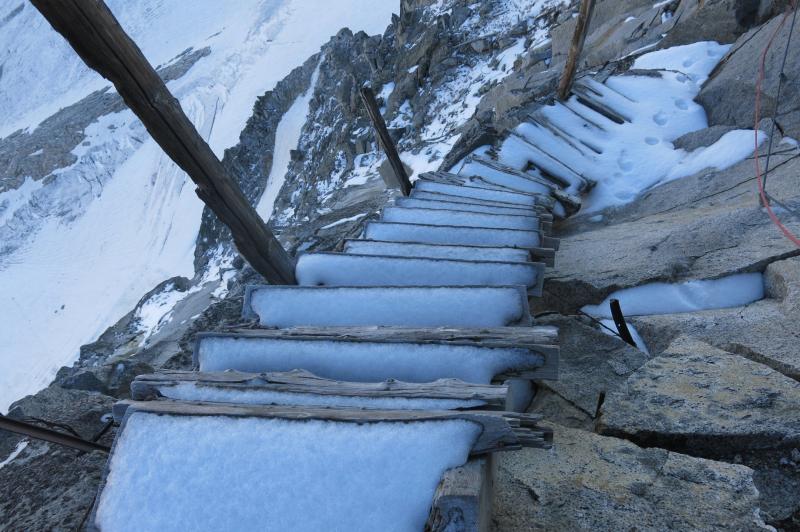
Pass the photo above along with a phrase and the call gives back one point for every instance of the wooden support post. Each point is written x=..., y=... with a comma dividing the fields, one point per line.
x=93, y=31
x=386, y=141
x=52, y=436
x=575, y=49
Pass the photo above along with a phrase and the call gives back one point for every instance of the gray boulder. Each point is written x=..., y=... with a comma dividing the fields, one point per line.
x=592, y=482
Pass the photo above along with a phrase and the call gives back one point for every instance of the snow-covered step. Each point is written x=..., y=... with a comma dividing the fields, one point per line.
x=418, y=194
x=438, y=251
x=446, y=178
x=498, y=172
x=460, y=218
x=372, y=354
x=445, y=204
x=519, y=152
x=202, y=466
x=603, y=100
x=301, y=388
x=461, y=236
x=343, y=269
x=438, y=306
x=526, y=200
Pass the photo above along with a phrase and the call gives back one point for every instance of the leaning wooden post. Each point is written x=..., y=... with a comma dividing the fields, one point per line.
x=575, y=49
x=93, y=31
x=386, y=141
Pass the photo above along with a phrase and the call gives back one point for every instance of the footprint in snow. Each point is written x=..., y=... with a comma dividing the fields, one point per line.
x=660, y=118
x=687, y=63
x=651, y=141
x=680, y=103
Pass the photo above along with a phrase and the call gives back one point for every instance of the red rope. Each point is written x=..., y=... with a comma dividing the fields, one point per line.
x=759, y=178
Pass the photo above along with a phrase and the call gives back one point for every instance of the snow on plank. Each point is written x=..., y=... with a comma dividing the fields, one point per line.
x=439, y=251
x=444, y=204
x=453, y=235
x=369, y=354
x=302, y=388
x=516, y=198
x=453, y=198
x=516, y=181
x=183, y=466
x=292, y=306
x=343, y=269
x=460, y=218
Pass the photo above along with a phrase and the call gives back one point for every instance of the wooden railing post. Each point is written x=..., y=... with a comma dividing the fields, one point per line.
x=93, y=31
x=575, y=49
x=385, y=140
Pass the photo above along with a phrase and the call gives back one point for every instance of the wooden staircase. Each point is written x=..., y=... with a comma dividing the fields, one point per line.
x=429, y=306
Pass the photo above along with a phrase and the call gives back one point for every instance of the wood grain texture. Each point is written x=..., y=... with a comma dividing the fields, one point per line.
x=146, y=387
x=463, y=499
x=368, y=97
x=93, y=31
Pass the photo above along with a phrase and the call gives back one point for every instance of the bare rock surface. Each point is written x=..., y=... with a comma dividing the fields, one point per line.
x=734, y=81
x=47, y=486
x=590, y=363
x=703, y=400
x=592, y=482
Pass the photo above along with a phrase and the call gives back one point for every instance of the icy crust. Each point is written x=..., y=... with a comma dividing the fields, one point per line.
x=626, y=159
x=415, y=202
x=387, y=306
x=342, y=269
x=662, y=298
x=362, y=361
x=438, y=251
x=213, y=394
x=462, y=236
x=459, y=218
x=215, y=473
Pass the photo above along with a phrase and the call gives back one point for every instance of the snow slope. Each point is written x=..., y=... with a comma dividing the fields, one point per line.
x=85, y=265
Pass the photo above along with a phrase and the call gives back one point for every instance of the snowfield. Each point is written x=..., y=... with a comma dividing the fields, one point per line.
x=84, y=262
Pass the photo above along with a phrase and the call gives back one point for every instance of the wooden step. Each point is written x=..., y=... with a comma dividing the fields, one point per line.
x=440, y=251
x=516, y=146
x=454, y=198
x=409, y=306
x=460, y=236
x=300, y=387
x=414, y=202
x=526, y=200
x=485, y=166
x=417, y=215
x=374, y=354
x=345, y=269
x=543, y=198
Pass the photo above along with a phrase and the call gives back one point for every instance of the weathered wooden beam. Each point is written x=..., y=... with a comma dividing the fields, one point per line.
x=499, y=432
x=93, y=31
x=150, y=386
x=52, y=436
x=463, y=499
x=575, y=49
x=389, y=149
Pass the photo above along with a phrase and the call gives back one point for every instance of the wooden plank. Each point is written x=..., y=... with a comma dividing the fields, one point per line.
x=368, y=97
x=499, y=433
x=539, y=340
x=545, y=200
x=463, y=499
x=575, y=49
x=146, y=387
x=93, y=31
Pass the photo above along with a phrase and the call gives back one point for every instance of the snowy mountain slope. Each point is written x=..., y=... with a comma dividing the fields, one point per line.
x=87, y=239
